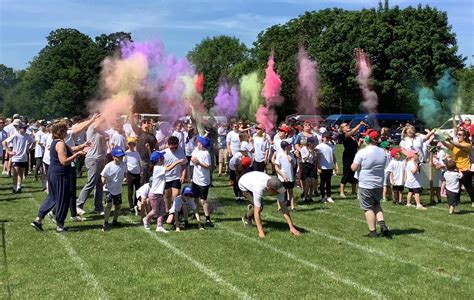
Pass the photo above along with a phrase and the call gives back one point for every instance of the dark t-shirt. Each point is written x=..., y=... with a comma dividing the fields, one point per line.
x=143, y=139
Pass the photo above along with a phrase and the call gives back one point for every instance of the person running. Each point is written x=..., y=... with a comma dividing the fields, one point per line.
x=175, y=164
x=369, y=166
x=255, y=184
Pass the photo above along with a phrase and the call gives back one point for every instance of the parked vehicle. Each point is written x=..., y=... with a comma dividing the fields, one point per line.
x=303, y=118
x=337, y=119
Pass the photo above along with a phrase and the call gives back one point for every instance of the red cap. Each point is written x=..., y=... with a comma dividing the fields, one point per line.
x=245, y=162
x=372, y=134
x=395, y=151
x=285, y=129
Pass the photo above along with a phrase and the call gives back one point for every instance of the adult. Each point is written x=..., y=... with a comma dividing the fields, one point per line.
x=412, y=141
x=468, y=126
x=369, y=163
x=95, y=162
x=305, y=134
x=255, y=184
x=461, y=156
x=351, y=145
x=146, y=144
x=59, y=178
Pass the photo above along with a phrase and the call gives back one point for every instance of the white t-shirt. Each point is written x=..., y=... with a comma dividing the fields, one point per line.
x=143, y=191
x=397, y=168
x=21, y=145
x=371, y=160
x=286, y=167
x=202, y=176
x=260, y=145
x=118, y=139
x=114, y=176
x=277, y=143
x=326, y=156
x=178, y=205
x=133, y=162
x=39, y=148
x=158, y=184
x=46, y=140
x=256, y=182
x=234, y=140
x=413, y=181
x=170, y=158
x=452, y=181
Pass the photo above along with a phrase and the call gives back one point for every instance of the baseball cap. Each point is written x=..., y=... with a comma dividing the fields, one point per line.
x=204, y=141
x=395, y=151
x=16, y=122
x=117, y=152
x=131, y=139
x=187, y=191
x=275, y=184
x=16, y=116
x=372, y=134
x=284, y=144
x=385, y=144
x=156, y=156
x=245, y=162
x=285, y=129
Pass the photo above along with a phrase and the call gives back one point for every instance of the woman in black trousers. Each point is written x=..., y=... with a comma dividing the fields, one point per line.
x=59, y=179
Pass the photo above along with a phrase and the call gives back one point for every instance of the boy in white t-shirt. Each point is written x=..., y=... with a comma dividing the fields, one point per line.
x=413, y=179
x=21, y=142
x=396, y=174
x=326, y=164
x=182, y=203
x=201, y=159
x=285, y=164
x=143, y=205
x=155, y=196
x=452, y=178
x=134, y=169
x=112, y=178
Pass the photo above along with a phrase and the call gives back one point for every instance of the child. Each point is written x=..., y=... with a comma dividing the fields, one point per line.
x=413, y=179
x=326, y=164
x=182, y=202
x=238, y=165
x=134, y=170
x=284, y=166
x=21, y=142
x=155, y=197
x=452, y=177
x=307, y=168
x=112, y=178
x=387, y=189
x=201, y=160
x=142, y=199
x=396, y=174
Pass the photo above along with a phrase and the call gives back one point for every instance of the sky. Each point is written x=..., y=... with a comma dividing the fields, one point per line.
x=180, y=24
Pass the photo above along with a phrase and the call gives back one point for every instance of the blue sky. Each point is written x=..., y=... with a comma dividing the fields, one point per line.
x=24, y=24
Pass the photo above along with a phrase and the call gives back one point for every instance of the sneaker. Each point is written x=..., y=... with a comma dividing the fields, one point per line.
x=408, y=205
x=372, y=234
x=146, y=225
x=209, y=223
x=329, y=199
x=61, y=229
x=324, y=200
x=342, y=195
x=53, y=218
x=161, y=229
x=80, y=211
x=77, y=219
x=106, y=227
x=421, y=207
x=100, y=213
x=385, y=232
x=247, y=221
x=37, y=225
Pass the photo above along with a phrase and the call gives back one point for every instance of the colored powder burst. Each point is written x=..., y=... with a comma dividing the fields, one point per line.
x=152, y=50
x=226, y=101
x=194, y=101
x=364, y=71
x=199, y=84
x=430, y=107
x=446, y=87
x=308, y=84
x=267, y=117
x=272, y=84
x=250, y=89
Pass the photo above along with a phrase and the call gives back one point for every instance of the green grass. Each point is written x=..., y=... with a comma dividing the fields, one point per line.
x=430, y=256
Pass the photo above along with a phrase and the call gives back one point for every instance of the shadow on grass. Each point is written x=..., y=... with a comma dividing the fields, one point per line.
x=14, y=197
x=87, y=227
x=464, y=212
x=408, y=231
x=280, y=226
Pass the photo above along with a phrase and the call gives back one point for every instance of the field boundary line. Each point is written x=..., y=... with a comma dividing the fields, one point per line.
x=201, y=267
x=307, y=263
x=83, y=267
x=413, y=235
x=375, y=251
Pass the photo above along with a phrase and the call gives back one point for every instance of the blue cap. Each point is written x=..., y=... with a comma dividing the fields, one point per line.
x=156, y=156
x=187, y=191
x=118, y=152
x=204, y=141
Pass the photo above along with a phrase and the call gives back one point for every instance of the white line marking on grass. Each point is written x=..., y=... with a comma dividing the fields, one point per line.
x=366, y=249
x=211, y=274
x=83, y=268
x=309, y=264
x=414, y=235
x=420, y=217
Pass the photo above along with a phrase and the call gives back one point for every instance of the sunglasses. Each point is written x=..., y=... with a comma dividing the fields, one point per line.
x=460, y=134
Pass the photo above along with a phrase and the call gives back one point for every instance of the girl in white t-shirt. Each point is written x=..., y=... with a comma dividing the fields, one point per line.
x=155, y=197
x=413, y=179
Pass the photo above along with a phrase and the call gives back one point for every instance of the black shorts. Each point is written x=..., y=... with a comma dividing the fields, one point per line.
x=288, y=185
x=175, y=184
x=23, y=165
x=398, y=188
x=308, y=170
x=416, y=191
x=200, y=191
x=115, y=199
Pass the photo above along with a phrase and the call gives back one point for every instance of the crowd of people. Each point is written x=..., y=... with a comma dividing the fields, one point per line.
x=168, y=169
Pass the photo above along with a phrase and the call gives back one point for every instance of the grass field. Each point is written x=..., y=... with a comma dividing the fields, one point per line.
x=430, y=256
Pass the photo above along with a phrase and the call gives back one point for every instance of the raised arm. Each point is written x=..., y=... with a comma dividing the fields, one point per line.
x=78, y=128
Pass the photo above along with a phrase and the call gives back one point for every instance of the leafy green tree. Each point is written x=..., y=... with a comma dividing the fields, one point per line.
x=8, y=78
x=466, y=90
x=215, y=58
x=110, y=43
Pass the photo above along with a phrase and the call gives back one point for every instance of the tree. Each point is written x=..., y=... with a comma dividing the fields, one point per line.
x=466, y=90
x=8, y=78
x=110, y=43
x=215, y=57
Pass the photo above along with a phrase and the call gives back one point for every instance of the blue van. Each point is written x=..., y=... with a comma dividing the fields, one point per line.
x=337, y=119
